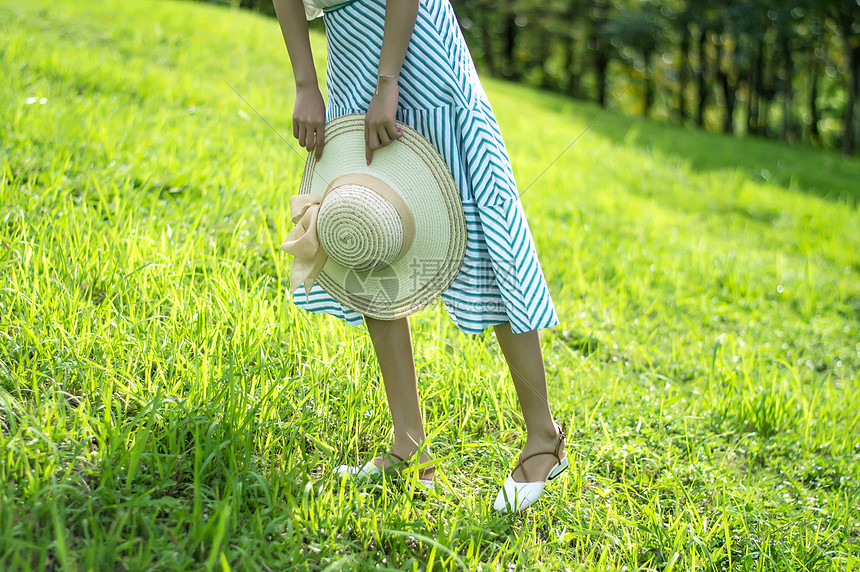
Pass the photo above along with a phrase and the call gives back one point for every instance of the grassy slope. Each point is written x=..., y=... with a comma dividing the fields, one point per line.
x=163, y=405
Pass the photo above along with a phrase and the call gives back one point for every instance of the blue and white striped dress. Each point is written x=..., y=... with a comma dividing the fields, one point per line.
x=442, y=98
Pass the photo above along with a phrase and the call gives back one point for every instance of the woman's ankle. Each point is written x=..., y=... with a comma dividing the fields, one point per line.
x=403, y=461
x=410, y=452
x=543, y=433
x=408, y=443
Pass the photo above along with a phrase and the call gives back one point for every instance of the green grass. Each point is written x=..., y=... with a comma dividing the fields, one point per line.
x=163, y=405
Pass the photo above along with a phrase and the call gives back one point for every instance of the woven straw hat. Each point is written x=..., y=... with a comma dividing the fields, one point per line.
x=385, y=239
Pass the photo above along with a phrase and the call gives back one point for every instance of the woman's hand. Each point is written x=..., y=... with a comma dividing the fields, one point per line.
x=309, y=119
x=380, y=127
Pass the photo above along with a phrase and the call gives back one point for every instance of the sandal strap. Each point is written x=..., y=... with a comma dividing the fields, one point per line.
x=527, y=457
x=561, y=439
x=425, y=470
x=555, y=452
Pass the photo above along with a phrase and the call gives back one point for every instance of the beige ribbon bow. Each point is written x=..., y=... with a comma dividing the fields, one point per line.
x=303, y=243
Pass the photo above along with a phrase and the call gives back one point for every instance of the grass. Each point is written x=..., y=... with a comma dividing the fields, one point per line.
x=163, y=406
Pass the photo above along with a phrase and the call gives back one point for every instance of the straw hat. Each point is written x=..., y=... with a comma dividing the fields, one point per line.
x=385, y=239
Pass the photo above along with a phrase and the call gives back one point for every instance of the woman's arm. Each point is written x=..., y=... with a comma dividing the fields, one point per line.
x=294, y=27
x=380, y=128
x=309, y=109
x=400, y=16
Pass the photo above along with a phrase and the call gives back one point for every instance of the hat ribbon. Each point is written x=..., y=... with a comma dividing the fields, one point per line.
x=302, y=242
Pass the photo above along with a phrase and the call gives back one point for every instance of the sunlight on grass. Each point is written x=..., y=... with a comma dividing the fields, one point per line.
x=164, y=406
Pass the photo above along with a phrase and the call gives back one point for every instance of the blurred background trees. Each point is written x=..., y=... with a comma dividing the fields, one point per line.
x=779, y=69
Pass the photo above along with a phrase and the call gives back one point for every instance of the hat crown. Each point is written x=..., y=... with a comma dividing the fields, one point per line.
x=360, y=228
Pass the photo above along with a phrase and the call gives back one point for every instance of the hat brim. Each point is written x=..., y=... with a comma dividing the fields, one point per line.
x=415, y=169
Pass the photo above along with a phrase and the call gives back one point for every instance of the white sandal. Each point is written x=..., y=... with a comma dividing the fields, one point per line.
x=371, y=473
x=516, y=495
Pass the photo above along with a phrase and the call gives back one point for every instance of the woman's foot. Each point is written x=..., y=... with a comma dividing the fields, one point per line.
x=398, y=458
x=537, y=467
x=523, y=487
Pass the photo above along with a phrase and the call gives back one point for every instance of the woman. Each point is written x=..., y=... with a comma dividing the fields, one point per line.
x=406, y=60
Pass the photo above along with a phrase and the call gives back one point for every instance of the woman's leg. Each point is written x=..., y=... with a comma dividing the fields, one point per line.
x=393, y=345
x=525, y=361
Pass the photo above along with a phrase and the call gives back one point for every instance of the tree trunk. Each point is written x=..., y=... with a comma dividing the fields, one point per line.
x=598, y=44
x=571, y=81
x=729, y=89
x=601, y=62
x=754, y=90
x=701, y=83
x=509, y=44
x=766, y=96
x=856, y=102
x=681, y=107
x=544, y=50
x=487, y=43
x=851, y=122
x=814, y=113
x=649, y=86
x=787, y=90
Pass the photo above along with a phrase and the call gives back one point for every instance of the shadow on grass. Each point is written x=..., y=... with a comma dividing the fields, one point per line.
x=799, y=168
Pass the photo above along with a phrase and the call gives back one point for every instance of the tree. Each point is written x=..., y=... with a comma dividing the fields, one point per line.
x=846, y=15
x=598, y=45
x=637, y=35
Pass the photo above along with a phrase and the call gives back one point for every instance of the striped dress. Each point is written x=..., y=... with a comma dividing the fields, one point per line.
x=442, y=98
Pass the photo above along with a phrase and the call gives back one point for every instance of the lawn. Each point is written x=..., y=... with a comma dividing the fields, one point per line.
x=163, y=406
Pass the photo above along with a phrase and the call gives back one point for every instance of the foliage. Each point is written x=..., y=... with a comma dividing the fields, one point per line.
x=773, y=68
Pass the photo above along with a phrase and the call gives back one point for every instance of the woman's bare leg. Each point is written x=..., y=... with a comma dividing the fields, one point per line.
x=393, y=345
x=525, y=361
